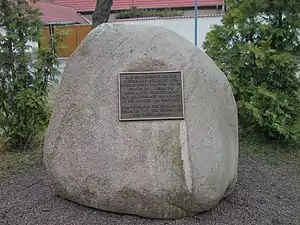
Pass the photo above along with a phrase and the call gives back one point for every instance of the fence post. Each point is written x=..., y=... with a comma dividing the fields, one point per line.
x=196, y=21
x=51, y=33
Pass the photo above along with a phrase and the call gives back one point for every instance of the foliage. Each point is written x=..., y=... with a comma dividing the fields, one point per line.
x=257, y=47
x=25, y=75
x=137, y=13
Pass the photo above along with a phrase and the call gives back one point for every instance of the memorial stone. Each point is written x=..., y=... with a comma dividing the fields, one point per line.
x=144, y=123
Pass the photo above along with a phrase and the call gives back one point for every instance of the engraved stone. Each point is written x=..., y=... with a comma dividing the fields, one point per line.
x=150, y=95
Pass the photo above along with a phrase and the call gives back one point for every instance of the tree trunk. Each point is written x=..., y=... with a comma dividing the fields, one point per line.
x=101, y=13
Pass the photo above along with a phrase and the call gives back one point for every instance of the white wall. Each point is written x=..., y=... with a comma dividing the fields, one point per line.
x=2, y=31
x=184, y=27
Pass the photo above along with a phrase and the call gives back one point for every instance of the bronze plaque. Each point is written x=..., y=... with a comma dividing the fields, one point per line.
x=151, y=95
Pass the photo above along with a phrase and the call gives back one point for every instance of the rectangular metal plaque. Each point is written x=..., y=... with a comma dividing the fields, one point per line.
x=151, y=95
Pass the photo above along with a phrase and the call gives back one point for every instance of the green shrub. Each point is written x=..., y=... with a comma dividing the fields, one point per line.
x=25, y=76
x=138, y=13
x=257, y=47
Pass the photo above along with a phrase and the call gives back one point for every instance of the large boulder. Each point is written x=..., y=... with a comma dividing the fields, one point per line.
x=157, y=169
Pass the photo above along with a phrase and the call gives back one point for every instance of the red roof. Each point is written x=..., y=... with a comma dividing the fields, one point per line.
x=89, y=5
x=57, y=13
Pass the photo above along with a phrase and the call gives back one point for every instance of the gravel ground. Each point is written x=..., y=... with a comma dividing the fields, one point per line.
x=263, y=196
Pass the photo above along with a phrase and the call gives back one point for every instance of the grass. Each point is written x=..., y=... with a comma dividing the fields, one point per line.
x=273, y=154
x=138, y=13
x=12, y=163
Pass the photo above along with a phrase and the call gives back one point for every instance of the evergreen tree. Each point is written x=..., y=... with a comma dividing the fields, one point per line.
x=25, y=75
x=258, y=47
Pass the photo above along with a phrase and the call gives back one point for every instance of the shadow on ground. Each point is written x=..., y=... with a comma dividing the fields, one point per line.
x=264, y=195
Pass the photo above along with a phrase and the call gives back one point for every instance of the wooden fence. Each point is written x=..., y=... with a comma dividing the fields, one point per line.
x=72, y=36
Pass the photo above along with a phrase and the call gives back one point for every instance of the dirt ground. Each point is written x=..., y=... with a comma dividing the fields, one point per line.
x=264, y=195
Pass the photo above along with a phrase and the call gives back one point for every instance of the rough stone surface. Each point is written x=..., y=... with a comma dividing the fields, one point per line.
x=155, y=169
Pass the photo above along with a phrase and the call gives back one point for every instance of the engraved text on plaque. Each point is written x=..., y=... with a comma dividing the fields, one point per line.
x=150, y=95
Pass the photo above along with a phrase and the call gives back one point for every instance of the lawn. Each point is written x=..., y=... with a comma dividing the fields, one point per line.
x=273, y=154
x=12, y=163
